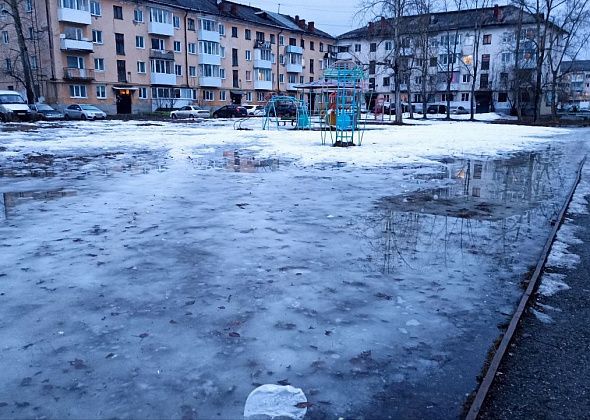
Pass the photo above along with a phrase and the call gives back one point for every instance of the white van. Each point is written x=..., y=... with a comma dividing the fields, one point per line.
x=13, y=106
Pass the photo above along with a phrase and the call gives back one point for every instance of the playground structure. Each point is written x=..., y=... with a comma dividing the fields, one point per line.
x=281, y=109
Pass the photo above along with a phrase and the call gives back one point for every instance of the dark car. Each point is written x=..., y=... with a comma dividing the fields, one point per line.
x=282, y=110
x=45, y=112
x=436, y=109
x=230, y=111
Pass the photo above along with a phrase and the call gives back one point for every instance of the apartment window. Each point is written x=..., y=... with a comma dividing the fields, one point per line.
x=96, y=36
x=372, y=65
x=386, y=81
x=5, y=38
x=33, y=61
x=142, y=93
x=311, y=66
x=78, y=91
x=281, y=40
x=222, y=95
x=234, y=32
x=28, y=6
x=222, y=74
x=139, y=42
x=373, y=47
x=248, y=76
x=249, y=97
x=8, y=64
x=506, y=57
x=120, y=44
x=312, y=45
x=221, y=29
x=248, y=34
x=99, y=64
x=178, y=69
x=208, y=47
x=372, y=83
x=502, y=96
x=321, y=47
x=260, y=36
x=101, y=91
x=418, y=80
x=487, y=39
x=357, y=48
x=161, y=16
x=273, y=39
x=118, y=12
x=190, y=24
x=248, y=55
x=260, y=96
x=466, y=78
x=281, y=78
x=485, y=62
x=192, y=48
x=483, y=81
x=141, y=66
x=138, y=15
x=465, y=97
x=176, y=22
x=192, y=71
x=75, y=62
x=208, y=70
x=222, y=51
x=177, y=46
x=302, y=43
x=95, y=9
x=447, y=97
x=504, y=78
x=234, y=57
x=208, y=95
x=388, y=45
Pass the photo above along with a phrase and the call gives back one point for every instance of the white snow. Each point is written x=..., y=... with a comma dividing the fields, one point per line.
x=275, y=402
x=552, y=283
x=543, y=317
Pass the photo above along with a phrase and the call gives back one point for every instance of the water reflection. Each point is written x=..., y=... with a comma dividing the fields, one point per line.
x=236, y=161
x=488, y=208
x=9, y=200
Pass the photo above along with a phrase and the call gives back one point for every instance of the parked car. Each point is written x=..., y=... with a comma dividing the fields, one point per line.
x=190, y=111
x=282, y=109
x=436, y=109
x=45, y=112
x=230, y=111
x=13, y=106
x=84, y=112
x=459, y=110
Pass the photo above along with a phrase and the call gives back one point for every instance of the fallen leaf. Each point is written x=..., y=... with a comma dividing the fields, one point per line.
x=303, y=405
x=234, y=334
x=143, y=335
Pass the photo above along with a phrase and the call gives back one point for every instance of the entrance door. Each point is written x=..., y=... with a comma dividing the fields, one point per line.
x=123, y=102
x=236, y=98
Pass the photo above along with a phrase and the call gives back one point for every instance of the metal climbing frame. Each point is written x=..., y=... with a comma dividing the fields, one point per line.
x=345, y=104
x=280, y=106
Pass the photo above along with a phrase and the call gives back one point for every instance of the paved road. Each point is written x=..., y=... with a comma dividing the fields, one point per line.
x=546, y=374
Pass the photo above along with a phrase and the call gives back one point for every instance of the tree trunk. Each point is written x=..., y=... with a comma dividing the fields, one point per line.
x=23, y=50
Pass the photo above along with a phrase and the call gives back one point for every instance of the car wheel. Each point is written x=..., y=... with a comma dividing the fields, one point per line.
x=83, y=117
x=66, y=117
x=174, y=116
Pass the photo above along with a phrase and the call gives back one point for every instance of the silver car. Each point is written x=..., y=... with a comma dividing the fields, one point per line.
x=190, y=111
x=84, y=112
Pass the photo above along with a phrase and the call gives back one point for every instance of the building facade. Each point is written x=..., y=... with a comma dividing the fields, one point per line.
x=443, y=54
x=576, y=83
x=138, y=56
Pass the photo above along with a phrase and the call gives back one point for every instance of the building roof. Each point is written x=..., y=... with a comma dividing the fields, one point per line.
x=443, y=21
x=255, y=15
x=575, y=66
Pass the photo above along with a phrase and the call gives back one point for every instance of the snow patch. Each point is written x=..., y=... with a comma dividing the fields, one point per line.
x=552, y=283
x=560, y=257
x=544, y=318
x=275, y=401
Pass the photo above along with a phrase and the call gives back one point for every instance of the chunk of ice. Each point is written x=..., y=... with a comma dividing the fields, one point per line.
x=271, y=401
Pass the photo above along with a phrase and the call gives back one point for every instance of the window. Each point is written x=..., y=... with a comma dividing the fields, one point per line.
x=483, y=81
x=75, y=62
x=466, y=78
x=234, y=32
x=301, y=79
x=176, y=22
x=99, y=64
x=273, y=39
x=222, y=73
x=502, y=97
x=249, y=97
x=208, y=95
x=118, y=12
x=178, y=69
x=95, y=9
x=222, y=95
x=78, y=91
x=96, y=36
x=388, y=45
x=248, y=34
x=31, y=33
x=465, y=97
x=142, y=93
x=208, y=70
x=281, y=78
x=138, y=15
x=222, y=51
x=260, y=96
x=372, y=65
x=260, y=36
x=192, y=71
x=447, y=97
x=506, y=57
x=192, y=48
x=372, y=83
x=248, y=76
x=190, y=24
x=141, y=66
x=161, y=16
x=487, y=39
x=5, y=38
x=433, y=62
x=139, y=43
x=208, y=47
x=357, y=47
x=120, y=44
x=101, y=91
x=28, y=6
x=386, y=81
x=221, y=29
x=373, y=47
x=312, y=45
x=177, y=46
x=418, y=80
x=311, y=66
x=8, y=65
x=248, y=55
x=485, y=62
x=161, y=66
x=234, y=57
x=33, y=61
x=321, y=47
x=281, y=40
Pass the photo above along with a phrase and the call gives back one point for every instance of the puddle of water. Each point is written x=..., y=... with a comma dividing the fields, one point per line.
x=236, y=161
x=9, y=200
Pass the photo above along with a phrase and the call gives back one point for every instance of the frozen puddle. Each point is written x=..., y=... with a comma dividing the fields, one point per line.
x=162, y=290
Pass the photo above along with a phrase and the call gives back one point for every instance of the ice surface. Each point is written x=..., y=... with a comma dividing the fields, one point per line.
x=271, y=401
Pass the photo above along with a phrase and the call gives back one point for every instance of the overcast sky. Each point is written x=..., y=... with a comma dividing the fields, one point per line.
x=332, y=16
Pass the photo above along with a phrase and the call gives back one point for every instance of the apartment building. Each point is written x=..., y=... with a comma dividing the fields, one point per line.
x=576, y=83
x=442, y=47
x=138, y=56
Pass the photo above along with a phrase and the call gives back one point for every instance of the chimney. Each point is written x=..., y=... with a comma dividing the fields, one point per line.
x=496, y=11
x=297, y=19
x=302, y=24
x=382, y=22
x=311, y=26
x=234, y=9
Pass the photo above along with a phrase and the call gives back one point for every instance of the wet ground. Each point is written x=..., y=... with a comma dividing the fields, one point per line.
x=138, y=283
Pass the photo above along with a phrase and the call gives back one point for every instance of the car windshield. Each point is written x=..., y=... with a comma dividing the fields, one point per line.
x=11, y=98
x=44, y=107
x=89, y=108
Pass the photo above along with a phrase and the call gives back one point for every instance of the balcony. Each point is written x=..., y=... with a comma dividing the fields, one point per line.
x=159, y=28
x=74, y=16
x=81, y=45
x=262, y=64
x=210, y=81
x=291, y=86
x=262, y=45
x=212, y=36
x=293, y=49
x=294, y=68
x=162, y=55
x=210, y=59
x=163, y=79
x=81, y=75
x=262, y=84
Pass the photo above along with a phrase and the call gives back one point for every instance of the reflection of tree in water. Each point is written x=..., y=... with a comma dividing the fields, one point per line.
x=486, y=209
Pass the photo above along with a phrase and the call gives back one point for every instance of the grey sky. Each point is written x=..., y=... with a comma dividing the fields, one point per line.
x=332, y=16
